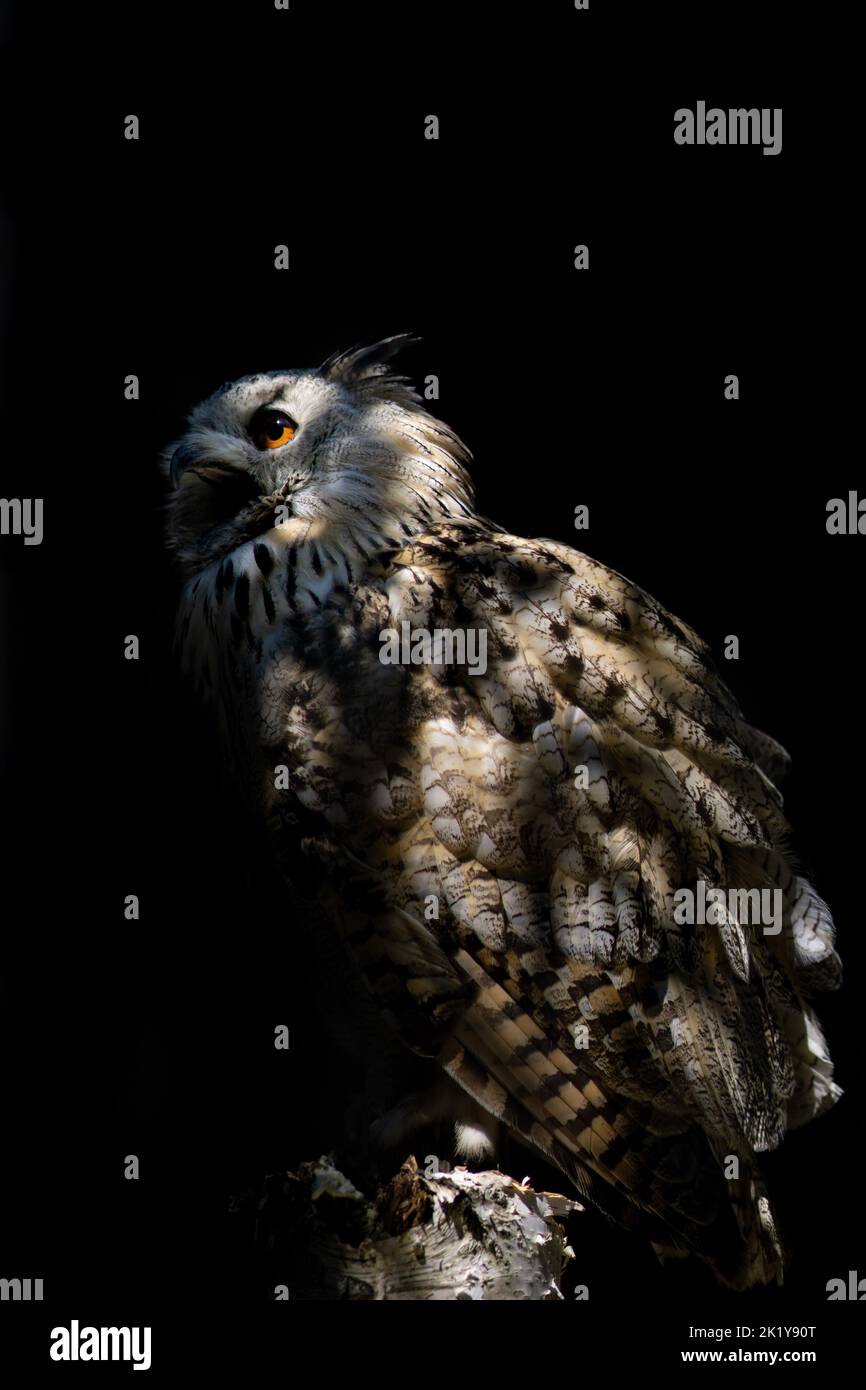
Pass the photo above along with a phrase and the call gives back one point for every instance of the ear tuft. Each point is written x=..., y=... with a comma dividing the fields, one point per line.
x=365, y=371
x=360, y=363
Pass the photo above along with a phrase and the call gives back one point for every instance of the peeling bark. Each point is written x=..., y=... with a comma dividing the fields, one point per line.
x=454, y=1235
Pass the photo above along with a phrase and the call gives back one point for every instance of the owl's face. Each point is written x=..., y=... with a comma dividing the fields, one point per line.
x=344, y=449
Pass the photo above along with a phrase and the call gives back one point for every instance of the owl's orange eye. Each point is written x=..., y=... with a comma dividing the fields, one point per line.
x=272, y=428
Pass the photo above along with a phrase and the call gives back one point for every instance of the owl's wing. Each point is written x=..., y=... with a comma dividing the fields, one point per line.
x=516, y=840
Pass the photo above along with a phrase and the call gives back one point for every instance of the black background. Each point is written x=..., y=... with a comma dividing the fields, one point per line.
x=602, y=387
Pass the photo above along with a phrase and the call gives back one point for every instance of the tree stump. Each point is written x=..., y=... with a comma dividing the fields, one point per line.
x=448, y=1235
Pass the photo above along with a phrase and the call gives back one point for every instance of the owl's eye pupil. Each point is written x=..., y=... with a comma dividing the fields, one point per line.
x=271, y=428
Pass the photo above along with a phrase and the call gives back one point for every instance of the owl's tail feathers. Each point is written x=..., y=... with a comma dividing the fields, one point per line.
x=729, y=1224
x=739, y=1241
x=760, y=1259
x=679, y=1199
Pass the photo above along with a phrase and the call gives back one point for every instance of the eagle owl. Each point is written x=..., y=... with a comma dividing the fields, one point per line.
x=507, y=850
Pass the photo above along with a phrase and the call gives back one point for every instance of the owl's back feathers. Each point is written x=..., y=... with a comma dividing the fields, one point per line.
x=504, y=853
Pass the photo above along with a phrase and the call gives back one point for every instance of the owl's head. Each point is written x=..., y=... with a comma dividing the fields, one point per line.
x=344, y=450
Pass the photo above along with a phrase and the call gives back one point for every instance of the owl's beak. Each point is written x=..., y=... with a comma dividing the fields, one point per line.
x=180, y=462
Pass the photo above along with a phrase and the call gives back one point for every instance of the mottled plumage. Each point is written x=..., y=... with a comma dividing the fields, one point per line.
x=514, y=921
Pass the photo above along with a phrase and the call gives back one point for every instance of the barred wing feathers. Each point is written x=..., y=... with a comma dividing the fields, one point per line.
x=555, y=983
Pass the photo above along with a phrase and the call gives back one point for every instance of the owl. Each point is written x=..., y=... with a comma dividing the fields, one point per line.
x=532, y=815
